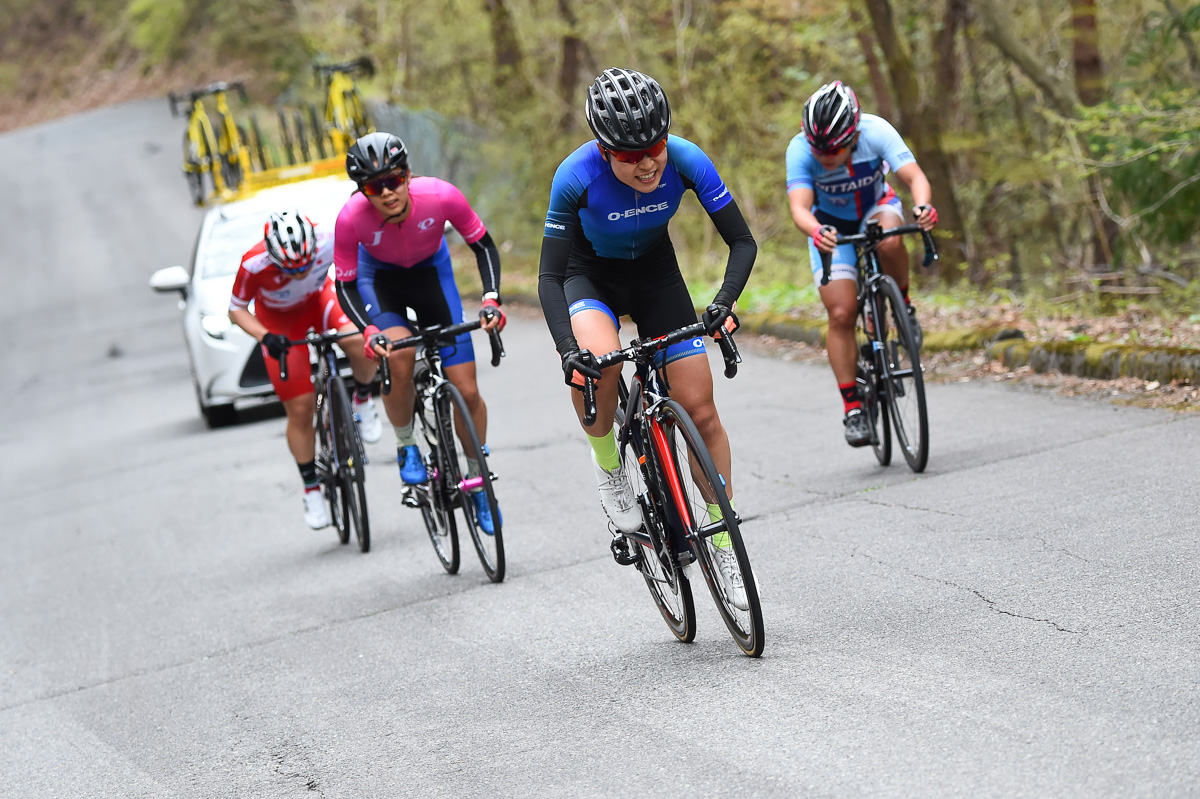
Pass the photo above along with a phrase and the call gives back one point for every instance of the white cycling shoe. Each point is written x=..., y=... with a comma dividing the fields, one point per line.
x=316, y=512
x=617, y=499
x=731, y=576
x=369, y=426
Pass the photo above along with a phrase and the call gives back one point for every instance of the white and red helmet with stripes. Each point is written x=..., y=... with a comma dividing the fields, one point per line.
x=291, y=241
x=831, y=117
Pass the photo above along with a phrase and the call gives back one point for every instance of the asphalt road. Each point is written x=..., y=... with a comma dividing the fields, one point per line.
x=1021, y=620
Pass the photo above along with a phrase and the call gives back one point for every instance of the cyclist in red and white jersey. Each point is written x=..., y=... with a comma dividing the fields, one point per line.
x=286, y=276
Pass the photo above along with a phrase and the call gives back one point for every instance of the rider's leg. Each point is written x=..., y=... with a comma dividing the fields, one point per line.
x=462, y=375
x=399, y=402
x=300, y=431
x=596, y=331
x=841, y=303
x=893, y=255
x=692, y=387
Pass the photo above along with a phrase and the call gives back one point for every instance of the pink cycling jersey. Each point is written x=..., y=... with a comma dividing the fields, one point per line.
x=416, y=239
x=258, y=279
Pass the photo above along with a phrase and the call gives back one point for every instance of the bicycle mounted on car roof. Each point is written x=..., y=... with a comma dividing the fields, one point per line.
x=204, y=143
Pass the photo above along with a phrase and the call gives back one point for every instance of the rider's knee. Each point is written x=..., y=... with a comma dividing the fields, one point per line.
x=842, y=315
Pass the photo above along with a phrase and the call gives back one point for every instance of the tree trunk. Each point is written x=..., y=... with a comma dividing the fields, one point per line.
x=1085, y=52
x=1185, y=37
x=946, y=54
x=509, y=76
x=998, y=30
x=925, y=132
x=883, y=96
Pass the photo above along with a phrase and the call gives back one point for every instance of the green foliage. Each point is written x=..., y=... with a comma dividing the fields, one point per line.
x=158, y=27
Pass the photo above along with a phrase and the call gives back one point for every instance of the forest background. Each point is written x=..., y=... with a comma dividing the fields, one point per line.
x=1062, y=137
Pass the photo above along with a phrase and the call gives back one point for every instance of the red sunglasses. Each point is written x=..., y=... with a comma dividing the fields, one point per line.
x=636, y=156
x=376, y=187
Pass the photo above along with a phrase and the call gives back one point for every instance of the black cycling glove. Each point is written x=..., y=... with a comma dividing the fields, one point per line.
x=715, y=317
x=277, y=345
x=583, y=362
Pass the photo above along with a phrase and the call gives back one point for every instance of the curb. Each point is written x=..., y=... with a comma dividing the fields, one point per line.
x=1009, y=346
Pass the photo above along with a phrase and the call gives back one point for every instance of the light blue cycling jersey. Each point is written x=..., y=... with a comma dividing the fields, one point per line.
x=604, y=217
x=854, y=188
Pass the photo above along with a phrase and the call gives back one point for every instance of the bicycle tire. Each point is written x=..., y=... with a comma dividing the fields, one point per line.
x=351, y=468
x=193, y=169
x=873, y=399
x=360, y=123
x=302, y=136
x=669, y=587
x=905, y=383
x=318, y=130
x=699, y=481
x=231, y=170
x=327, y=470
x=489, y=546
x=256, y=146
x=435, y=501
x=285, y=137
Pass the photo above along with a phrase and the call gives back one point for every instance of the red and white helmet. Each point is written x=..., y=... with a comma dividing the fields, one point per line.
x=291, y=241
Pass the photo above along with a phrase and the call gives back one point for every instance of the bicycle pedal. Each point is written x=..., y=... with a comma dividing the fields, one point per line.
x=624, y=552
x=409, y=498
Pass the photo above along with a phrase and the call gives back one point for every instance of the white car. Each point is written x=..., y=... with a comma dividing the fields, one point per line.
x=226, y=364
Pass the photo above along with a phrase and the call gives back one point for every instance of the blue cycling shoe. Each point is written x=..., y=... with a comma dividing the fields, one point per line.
x=412, y=468
x=483, y=513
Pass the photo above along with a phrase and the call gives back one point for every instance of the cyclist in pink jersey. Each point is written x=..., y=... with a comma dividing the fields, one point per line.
x=390, y=258
x=286, y=276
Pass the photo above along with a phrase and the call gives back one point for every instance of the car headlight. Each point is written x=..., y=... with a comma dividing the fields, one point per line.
x=215, y=325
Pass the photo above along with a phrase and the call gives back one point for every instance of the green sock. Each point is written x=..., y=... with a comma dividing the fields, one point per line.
x=720, y=540
x=605, y=448
x=404, y=436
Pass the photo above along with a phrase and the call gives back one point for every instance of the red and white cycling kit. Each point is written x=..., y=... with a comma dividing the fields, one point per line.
x=289, y=306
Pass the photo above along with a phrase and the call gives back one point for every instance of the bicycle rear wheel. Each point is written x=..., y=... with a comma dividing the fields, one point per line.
x=318, y=130
x=455, y=426
x=658, y=563
x=327, y=470
x=231, y=169
x=904, y=383
x=285, y=137
x=193, y=168
x=873, y=400
x=351, y=468
x=433, y=498
x=359, y=121
x=256, y=145
x=695, y=484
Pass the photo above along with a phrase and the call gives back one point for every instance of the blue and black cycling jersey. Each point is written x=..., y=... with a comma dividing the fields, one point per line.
x=594, y=218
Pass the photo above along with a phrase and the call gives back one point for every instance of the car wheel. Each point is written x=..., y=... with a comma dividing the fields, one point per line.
x=214, y=415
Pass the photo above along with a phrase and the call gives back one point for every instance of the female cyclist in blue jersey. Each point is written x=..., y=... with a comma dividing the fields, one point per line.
x=835, y=183
x=606, y=254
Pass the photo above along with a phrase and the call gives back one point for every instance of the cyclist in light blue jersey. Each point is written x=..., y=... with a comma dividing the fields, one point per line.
x=836, y=170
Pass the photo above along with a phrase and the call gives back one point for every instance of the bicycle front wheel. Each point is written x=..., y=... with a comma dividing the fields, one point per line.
x=698, y=494
x=658, y=562
x=904, y=382
x=327, y=469
x=459, y=440
x=873, y=399
x=351, y=466
x=433, y=498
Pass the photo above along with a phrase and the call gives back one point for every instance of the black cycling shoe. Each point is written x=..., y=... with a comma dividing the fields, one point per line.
x=858, y=429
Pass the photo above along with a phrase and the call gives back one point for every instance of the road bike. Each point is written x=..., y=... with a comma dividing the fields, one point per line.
x=450, y=436
x=341, y=460
x=890, y=378
x=686, y=515
x=216, y=149
x=346, y=118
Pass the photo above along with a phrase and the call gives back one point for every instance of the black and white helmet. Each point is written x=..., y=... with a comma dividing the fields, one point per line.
x=627, y=110
x=375, y=154
x=831, y=116
x=291, y=241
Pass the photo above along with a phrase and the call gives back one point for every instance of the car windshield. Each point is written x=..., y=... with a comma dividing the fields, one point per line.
x=237, y=227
